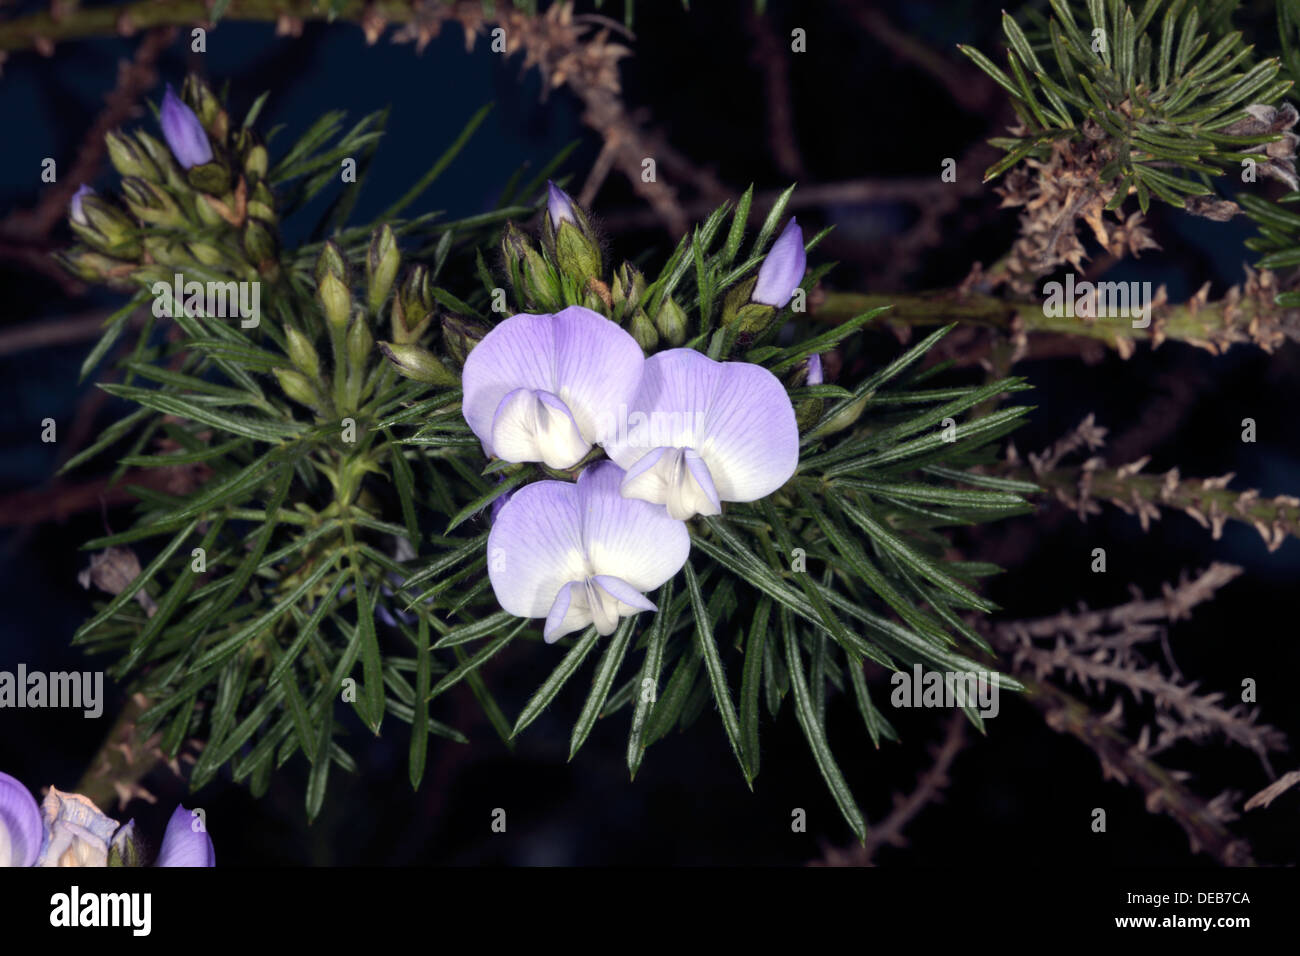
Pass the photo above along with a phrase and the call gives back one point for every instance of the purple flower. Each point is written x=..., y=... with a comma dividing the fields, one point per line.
x=814, y=370
x=782, y=270
x=559, y=205
x=547, y=387
x=183, y=132
x=701, y=432
x=186, y=842
x=579, y=554
x=74, y=207
x=20, y=824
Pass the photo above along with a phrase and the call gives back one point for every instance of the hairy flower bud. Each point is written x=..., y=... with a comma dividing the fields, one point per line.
x=130, y=158
x=336, y=300
x=643, y=330
x=382, y=260
x=152, y=204
x=297, y=386
x=460, y=335
x=418, y=364
x=302, y=353
x=671, y=322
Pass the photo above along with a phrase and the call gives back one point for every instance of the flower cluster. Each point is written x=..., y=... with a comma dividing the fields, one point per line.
x=683, y=433
x=67, y=829
x=202, y=200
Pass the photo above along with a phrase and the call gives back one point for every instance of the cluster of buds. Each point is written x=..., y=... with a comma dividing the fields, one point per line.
x=200, y=200
x=566, y=269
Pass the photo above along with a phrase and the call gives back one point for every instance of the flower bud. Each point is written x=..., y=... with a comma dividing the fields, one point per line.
x=302, y=353
x=569, y=237
x=418, y=364
x=382, y=261
x=559, y=206
x=95, y=266
x=297, y=386
x=576, y=254
x=360, y=342
x=815, y=376
x=628, y=288
x=331, y=261
x=643, y=330
x=104, y=226
x=255, y=163
x=336, y=300
x=532, y=277
x=184, y=132
x=259, y=243
x=75, y=212
x=460, y=335
x=671, y=322
x=412, y=306
x=211, y=178
x=846, y=417
x=782, y=269
x=152, y=204
x=130, y=158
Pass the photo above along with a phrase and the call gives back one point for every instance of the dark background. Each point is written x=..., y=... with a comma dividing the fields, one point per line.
x=1023, y=795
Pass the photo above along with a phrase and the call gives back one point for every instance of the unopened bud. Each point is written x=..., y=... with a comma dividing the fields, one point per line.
x=418, y=364
x=382, y=261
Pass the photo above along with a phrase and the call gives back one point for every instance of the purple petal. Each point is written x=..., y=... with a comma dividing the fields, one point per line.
x=625, y=537
x=563, y=616
x=582, y=358
x=554, y=542
x=559, y=205
x=20, y=824
x=736, y=416
x=183, y=131
x=532, y=425
x=676, y=478
x=182, y=845
x=782, y=269
x=74, y=206
x=623, y=592
x=535, y=548
x=814, y=370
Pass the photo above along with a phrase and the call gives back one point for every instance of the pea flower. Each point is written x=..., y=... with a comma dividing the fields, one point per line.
x=74, y=206
x=545, y=387
x=20, y=824
x=580, y=553
x=701, y=432
x=782, y=269
x=183, y=131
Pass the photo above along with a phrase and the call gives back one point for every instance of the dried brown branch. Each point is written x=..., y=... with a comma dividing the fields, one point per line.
x=1208, y=501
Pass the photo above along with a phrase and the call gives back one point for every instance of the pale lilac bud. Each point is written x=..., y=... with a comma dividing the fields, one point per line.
x=183, y=132
x=814, y=370
x=559, y=206
x=74, y=207
x=782, y=270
